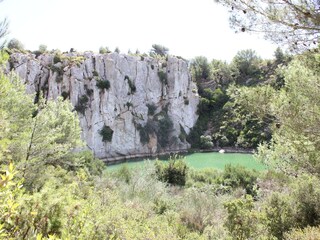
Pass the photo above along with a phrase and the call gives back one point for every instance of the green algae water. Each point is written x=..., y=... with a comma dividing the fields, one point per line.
x=208, y=160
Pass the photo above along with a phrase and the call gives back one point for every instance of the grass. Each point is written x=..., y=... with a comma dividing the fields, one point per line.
x=208, y=160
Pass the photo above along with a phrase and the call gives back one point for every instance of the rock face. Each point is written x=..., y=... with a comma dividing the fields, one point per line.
x=128, y=106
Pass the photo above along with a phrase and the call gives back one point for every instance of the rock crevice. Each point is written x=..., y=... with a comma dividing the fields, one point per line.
x=116, y=91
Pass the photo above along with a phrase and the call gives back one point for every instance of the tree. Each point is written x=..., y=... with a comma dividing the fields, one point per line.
x=15, y=44
x=247, y=62
x=288, y=22
x=222, y=73
x=117, y=50
x=42, y=48
x=158, y=49
x=16, y=110
x=200, y=68
x=295, y=110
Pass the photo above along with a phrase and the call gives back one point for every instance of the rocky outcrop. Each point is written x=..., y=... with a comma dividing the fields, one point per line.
x=127, y=105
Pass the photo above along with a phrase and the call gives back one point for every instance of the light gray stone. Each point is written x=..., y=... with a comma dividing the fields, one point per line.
x=116, y=107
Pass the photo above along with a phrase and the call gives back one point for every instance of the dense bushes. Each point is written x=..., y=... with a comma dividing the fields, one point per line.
x=174, y=172
x=103, y=84
x=106, y=133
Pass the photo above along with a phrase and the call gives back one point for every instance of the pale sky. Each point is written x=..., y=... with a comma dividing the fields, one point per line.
x=189, y=28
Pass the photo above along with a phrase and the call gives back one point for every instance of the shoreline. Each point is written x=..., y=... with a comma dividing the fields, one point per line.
x=138, y=157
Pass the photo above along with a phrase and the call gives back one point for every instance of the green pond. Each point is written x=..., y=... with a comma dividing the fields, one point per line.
x=207, y=160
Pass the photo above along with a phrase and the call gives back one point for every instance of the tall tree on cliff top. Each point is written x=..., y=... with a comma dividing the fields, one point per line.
x=295, y=23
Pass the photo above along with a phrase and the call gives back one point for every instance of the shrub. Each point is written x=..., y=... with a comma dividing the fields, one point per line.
x=124, y=173
x=131, y=85
x=15, y=44
x=279, y=215
x=106, y=132
x=103, y=50
x=95, y=73
x=82, y=104
x=103, y=84
x=163, y=76
x=308, y=233
x=206, y=142
x=144, y=136
x=173, y=172
x=151, y=109
x=239, y=176
x=65, y=95
x=57, y=58
x=129, y=104
x=183, y=134
x=241, y=220
x=165, y=127
x=144, y=132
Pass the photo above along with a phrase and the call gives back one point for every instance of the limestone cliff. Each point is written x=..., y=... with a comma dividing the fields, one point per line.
x=127, y=105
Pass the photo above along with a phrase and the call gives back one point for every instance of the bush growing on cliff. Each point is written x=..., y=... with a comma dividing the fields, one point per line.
x=163, y=76
x=103, y=84
x=132, y=86
x=165, y=125
x=106, y=132
x=82, y=104
x=151, y=109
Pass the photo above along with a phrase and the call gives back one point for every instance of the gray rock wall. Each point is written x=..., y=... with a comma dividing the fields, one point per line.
x=123, y=108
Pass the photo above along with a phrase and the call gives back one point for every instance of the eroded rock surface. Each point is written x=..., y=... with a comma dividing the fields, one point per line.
x=146, y=106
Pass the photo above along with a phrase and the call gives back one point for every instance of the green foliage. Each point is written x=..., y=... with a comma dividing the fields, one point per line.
x=222, y=73
x=174, y=172
x=15, y=44
x=242, y=219
x=151, y=109
x=65, y=95
x=42, y=49
x=132, y=86
x=144, y=132
x=183, y=134
x=163, y=76
x=95, y=73
x=82, y=104
x=200, y=68
x=247, y=63
x=117, y=50
x=160, y=125
x=57, y=58
x=295, y=146
x=206, y=142
x=294, y=24
x=124, y=174
x=103, y=84
x=308, y=233
x=238, y=176
x=158, y=49
x=10, y=191
x=106, y=133
x=165, y=126
x=279, y=215
x=104, y=50
x=16, y=109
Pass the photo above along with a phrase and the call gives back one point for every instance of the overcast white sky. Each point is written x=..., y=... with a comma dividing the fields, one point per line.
x=188, y=28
